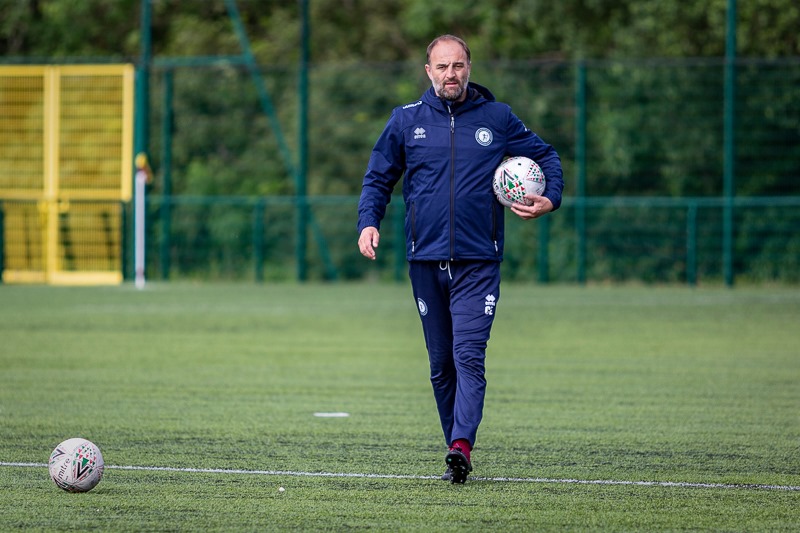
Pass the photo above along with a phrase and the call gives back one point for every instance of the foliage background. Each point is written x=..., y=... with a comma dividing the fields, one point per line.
x=399, y=30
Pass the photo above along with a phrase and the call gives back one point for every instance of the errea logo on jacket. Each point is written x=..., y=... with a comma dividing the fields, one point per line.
x=419, y=133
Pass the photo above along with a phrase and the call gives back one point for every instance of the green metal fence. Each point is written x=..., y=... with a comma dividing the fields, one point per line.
x=646, y=239
x=666, y=180
x=653, y=240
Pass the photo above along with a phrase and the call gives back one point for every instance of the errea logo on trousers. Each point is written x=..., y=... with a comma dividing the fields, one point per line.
x=489, y=304
x=419, y=133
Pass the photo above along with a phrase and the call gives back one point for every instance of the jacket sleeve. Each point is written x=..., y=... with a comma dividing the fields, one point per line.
x=386, y=167
x=523, y=142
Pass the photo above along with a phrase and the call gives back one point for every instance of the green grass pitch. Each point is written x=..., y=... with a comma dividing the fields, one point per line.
x=212, y=389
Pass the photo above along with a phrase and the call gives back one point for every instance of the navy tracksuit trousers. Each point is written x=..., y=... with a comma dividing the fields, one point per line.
x=456, y=302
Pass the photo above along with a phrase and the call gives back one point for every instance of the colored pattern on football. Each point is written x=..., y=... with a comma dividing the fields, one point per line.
x=76, y=465
x=515, y=177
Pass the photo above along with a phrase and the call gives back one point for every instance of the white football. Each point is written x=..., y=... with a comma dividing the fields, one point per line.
x=515, y=177
x=76, y=465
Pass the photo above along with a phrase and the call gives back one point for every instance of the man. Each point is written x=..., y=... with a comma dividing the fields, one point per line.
x=447, y=145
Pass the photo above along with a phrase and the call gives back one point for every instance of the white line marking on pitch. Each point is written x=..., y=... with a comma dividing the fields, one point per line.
x=678, y=484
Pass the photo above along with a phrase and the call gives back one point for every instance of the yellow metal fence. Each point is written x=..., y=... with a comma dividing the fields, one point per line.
x=66, y=142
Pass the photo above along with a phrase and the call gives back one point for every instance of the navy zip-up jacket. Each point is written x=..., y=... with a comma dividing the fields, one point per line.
x=448, y=153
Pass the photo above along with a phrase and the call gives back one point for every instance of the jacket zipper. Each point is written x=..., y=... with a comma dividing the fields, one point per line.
x=452, y=183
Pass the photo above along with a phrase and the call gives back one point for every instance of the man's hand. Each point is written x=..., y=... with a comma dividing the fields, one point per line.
x=540, y=206
x=368, y=241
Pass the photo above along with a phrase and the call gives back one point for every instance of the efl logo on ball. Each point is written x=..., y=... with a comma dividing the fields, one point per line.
x=76, y=465
x=515, y=177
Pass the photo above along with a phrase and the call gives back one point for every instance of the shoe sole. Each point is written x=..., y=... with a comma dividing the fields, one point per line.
x=459, y=466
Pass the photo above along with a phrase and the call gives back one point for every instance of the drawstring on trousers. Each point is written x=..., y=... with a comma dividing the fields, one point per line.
x=445, y=265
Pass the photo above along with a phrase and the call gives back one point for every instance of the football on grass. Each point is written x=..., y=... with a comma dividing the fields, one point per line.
x=515, y=177
x=76, y=465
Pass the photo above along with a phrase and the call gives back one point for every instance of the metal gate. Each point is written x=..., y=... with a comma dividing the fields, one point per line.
x=66, y=143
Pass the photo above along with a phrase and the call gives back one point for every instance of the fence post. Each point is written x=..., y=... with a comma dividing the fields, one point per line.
x=258, y=239
x=729, y=148
x=142, y=93
x=166, y=172
x=142, y=96
x=301, y=172
x=691, y=244
x=580, y=163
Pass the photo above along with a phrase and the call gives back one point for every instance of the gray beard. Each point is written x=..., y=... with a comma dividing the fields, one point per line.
x=451, y=96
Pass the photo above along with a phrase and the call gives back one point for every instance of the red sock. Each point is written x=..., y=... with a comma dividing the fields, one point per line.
x=463, y=445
